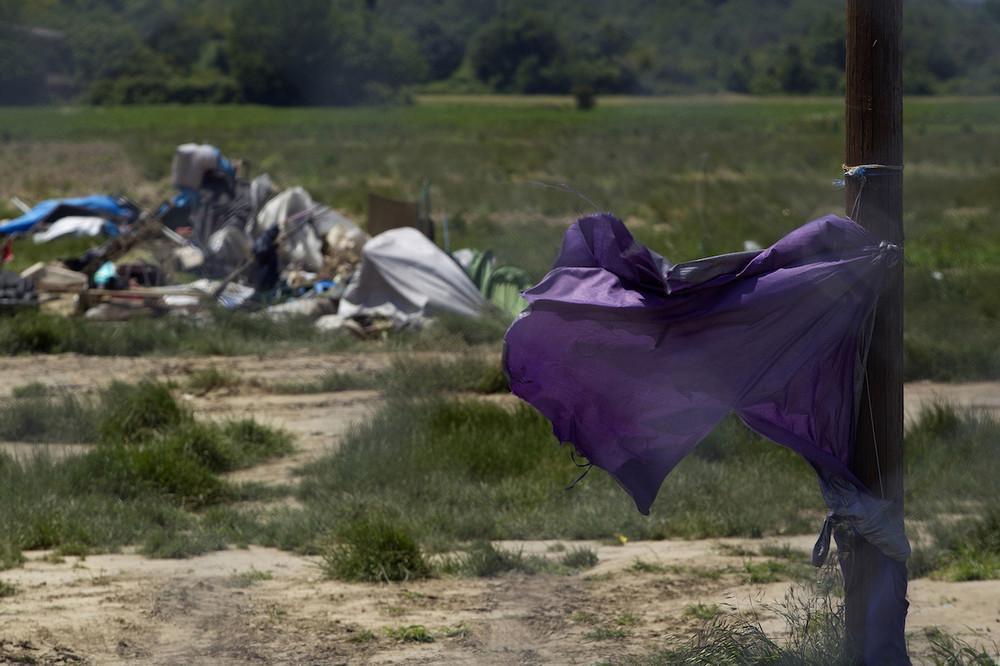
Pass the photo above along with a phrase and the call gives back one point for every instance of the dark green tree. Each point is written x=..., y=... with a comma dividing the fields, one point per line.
x=522, y=53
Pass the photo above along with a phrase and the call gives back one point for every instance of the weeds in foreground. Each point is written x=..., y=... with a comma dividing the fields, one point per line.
x=946, y=650
x=7, y=589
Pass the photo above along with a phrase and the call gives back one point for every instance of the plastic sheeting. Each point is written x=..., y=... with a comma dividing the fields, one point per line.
x=75, y=225
x=405, y=277
x=100, y=205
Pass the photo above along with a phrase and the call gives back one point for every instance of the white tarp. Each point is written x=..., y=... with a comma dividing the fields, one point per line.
x=303, y=248
x=75, y=225
x=405, y=276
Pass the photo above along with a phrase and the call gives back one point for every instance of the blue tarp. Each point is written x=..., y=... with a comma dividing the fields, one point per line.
x=101, y=205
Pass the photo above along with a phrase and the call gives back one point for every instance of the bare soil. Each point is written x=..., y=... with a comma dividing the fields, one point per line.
x=261, y=605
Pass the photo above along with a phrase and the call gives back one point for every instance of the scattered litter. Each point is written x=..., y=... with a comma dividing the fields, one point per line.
x=54, y=277
x=225, y=240
x=16, y=292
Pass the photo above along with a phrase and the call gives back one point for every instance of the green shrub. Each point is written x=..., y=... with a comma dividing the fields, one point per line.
x=373, y=549
x=163, y=467
x=252, y=442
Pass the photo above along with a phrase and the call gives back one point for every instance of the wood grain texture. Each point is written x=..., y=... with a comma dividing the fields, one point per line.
x=874, y=123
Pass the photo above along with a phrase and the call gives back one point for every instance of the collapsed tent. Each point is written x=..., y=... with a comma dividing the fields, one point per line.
x=404, y=276
x=116, y=209
x=634, y=361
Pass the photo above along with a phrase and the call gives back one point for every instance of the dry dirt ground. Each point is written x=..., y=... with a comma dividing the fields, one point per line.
x=266, y=606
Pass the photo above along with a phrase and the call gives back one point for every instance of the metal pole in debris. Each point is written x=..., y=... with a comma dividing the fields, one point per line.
x=874, y=123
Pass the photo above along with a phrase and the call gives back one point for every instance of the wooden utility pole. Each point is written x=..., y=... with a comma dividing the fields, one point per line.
x=874, y=122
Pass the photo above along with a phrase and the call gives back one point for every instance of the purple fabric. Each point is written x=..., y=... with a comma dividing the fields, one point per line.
x=635, y=361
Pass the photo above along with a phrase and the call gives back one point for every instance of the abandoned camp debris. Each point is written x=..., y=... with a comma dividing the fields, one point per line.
x=227, y=241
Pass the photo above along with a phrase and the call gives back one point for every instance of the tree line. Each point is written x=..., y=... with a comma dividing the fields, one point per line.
x=338, y=52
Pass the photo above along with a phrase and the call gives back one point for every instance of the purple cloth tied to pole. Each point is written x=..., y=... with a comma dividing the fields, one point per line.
x=635, y=360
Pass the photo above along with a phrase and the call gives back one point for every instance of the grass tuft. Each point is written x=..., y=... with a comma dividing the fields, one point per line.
x=484, y=560
x=703, y=612
x=250, y=577
x=947, y=650
x=133, y=412
x=375, y=550
x=580, y=558
x=415, y=633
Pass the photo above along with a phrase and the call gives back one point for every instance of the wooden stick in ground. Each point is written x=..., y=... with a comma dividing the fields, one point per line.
x=874, y=123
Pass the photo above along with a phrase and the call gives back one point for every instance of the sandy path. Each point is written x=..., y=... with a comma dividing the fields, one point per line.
x=265, y=606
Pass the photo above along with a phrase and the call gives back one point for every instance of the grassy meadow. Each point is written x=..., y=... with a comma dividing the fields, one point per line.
x=690, y=176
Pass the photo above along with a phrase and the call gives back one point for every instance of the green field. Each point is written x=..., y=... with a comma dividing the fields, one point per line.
x=437, y=472
x=690, y=176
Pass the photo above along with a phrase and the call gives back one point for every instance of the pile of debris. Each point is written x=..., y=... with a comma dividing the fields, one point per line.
x=244, y=244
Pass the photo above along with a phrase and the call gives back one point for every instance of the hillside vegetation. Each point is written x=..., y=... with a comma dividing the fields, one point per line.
x=319, y=52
